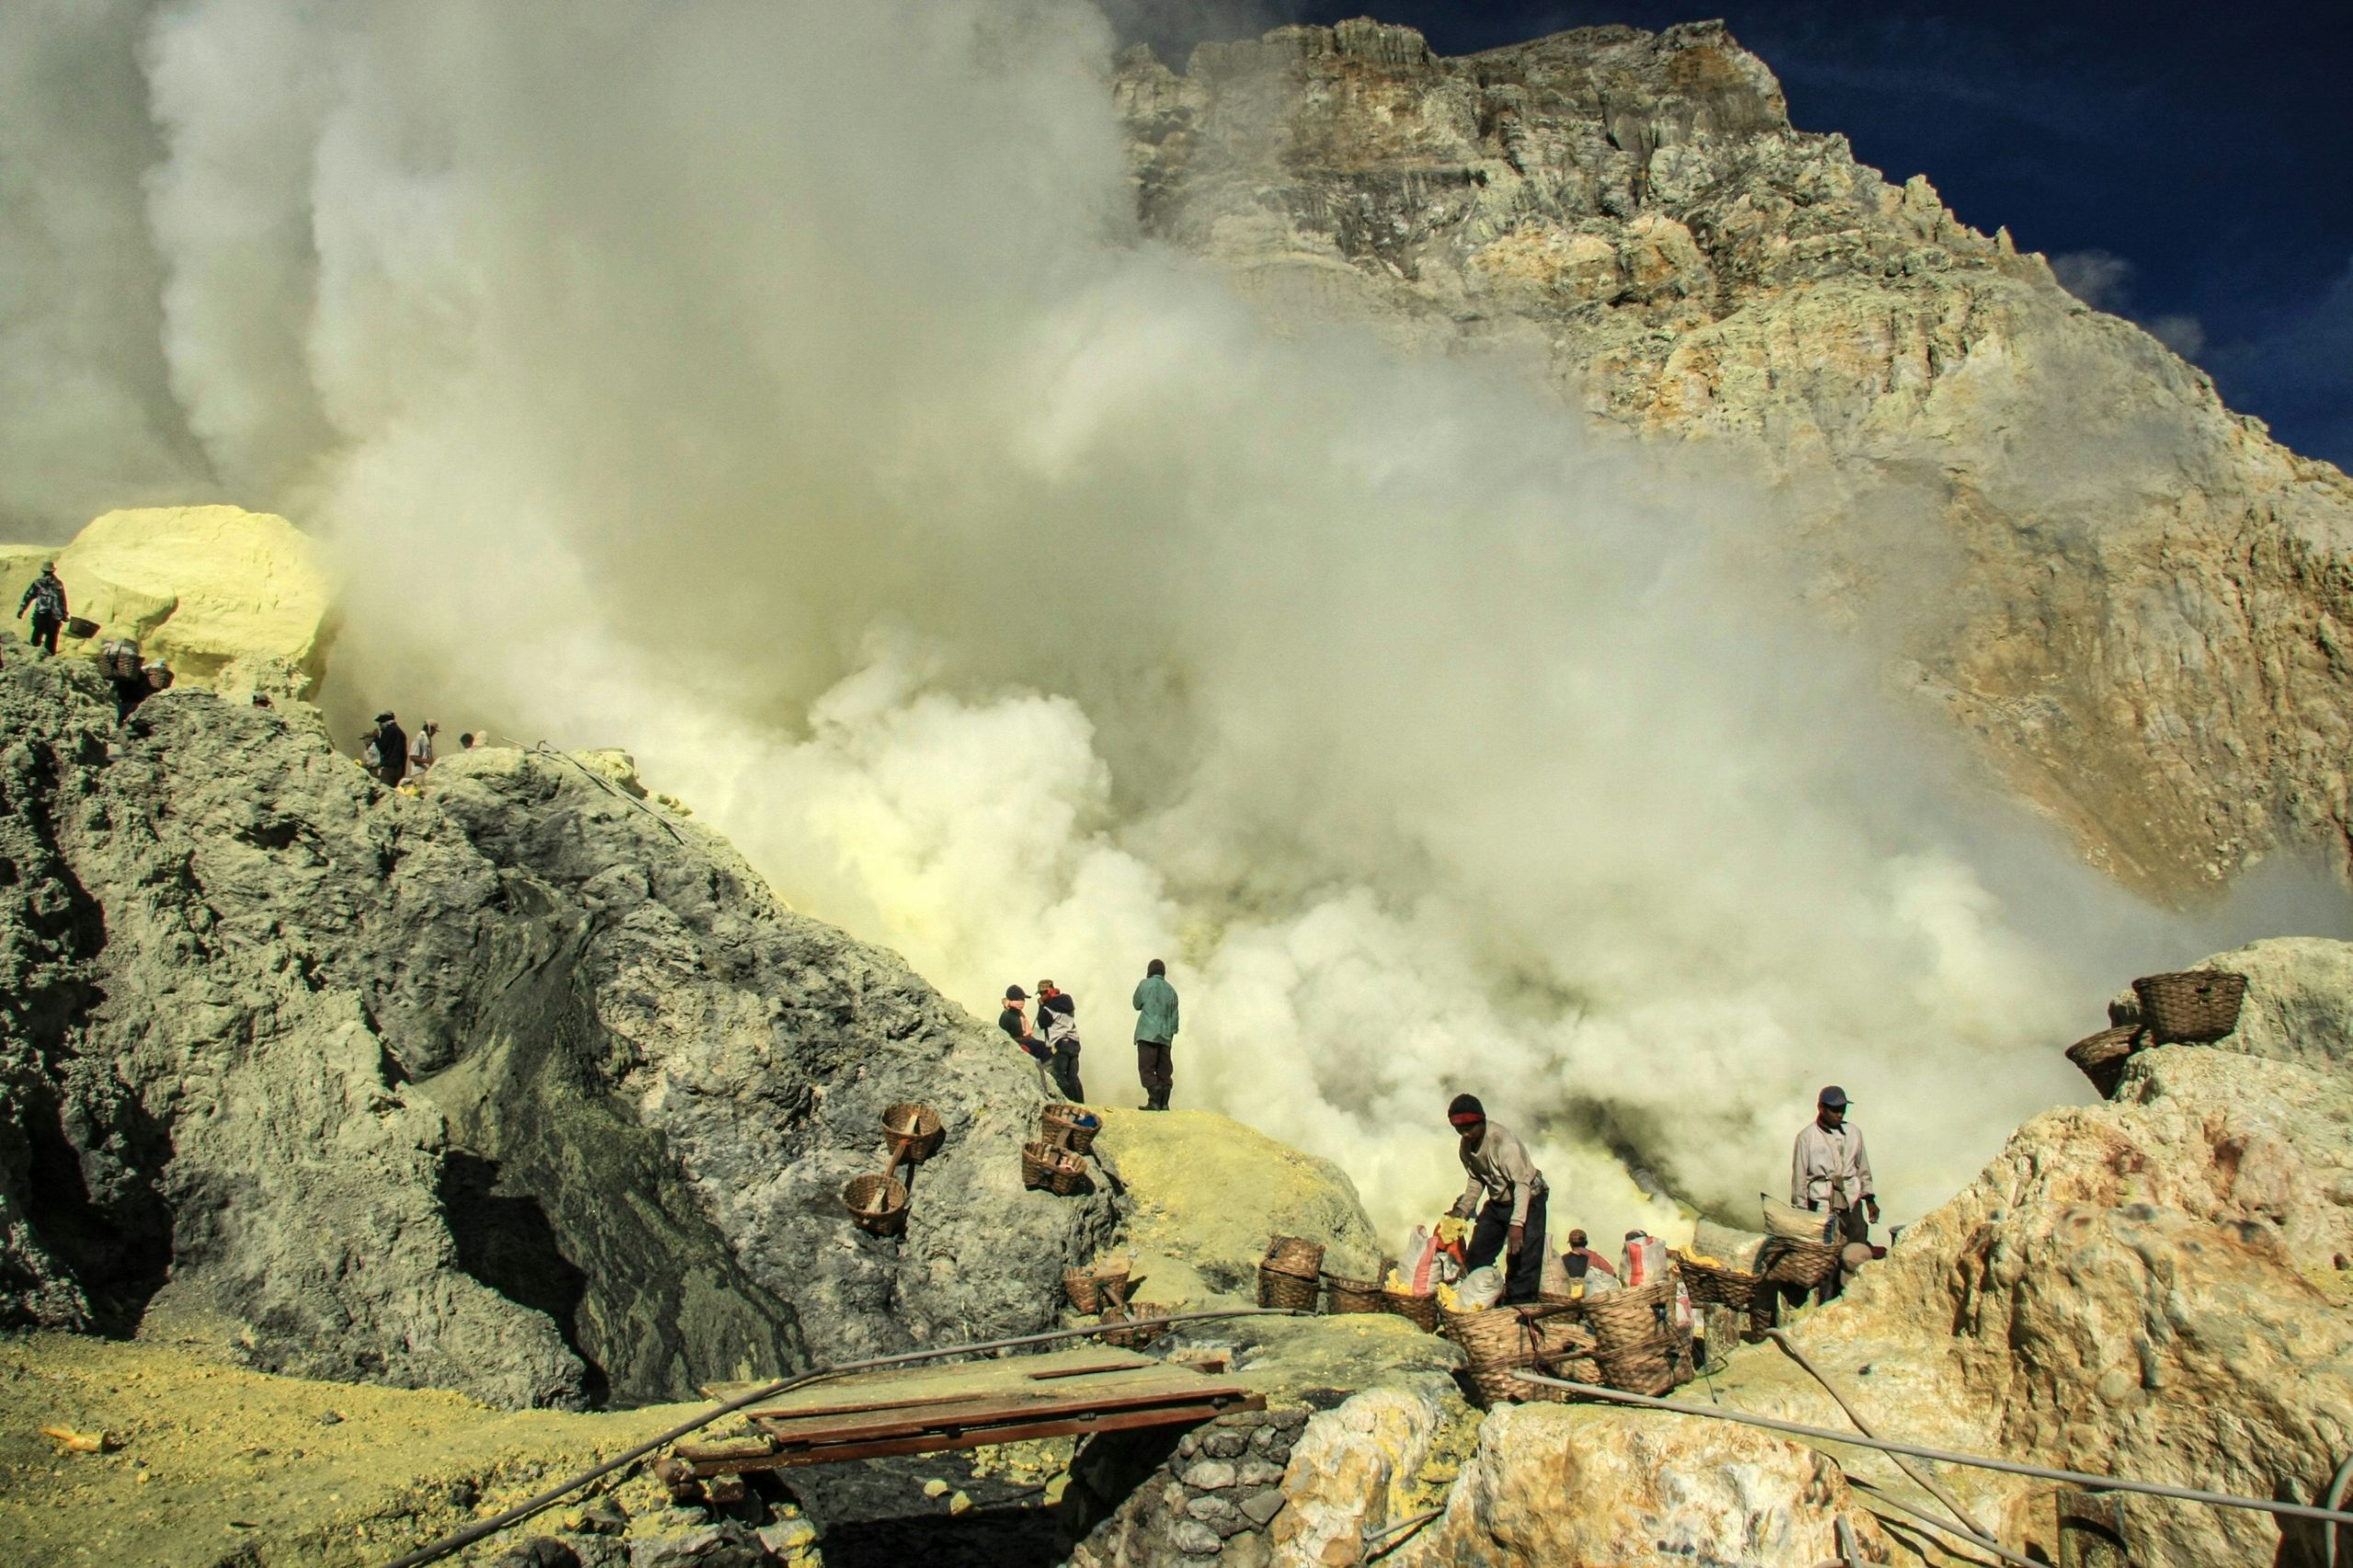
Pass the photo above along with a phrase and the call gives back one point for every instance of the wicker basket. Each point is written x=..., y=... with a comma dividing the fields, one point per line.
x=1058, y=1170
x=1802, y=1264
x=1420, y=1311
x=2195, y=1007
x=1295, y=1254
x=1095, y=1289
x=2102, y=1056
x=76, y=626
x=159, y=678
x=1716, y=1282
x=1289, y=1291
x=1134, y=1339
x=1634, y=1345
x=913, y=1131
x=876, y=1204
x=1352, y=1295
x=1500, y=1342
x=1061, y=1124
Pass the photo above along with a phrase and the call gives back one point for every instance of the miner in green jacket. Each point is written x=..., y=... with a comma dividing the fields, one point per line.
x=1155, y=1029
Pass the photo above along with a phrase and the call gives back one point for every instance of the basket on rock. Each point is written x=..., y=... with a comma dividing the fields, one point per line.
x=1292, y=1274
x=1352, y=1295
x=1802, y=1264
x=1095, y=1289
x=1069, y=1126
x=1634, y=1342
x=1134, y=1339
x=2195, y=1007
x=1295, y=1254
x=1499, y=1343
x=2102, y=1056
x=913, y=1131
x=1716, y=1282
x=1418, y=1310
x=877, y=1204
x=1056, y=1170
x=76, y=626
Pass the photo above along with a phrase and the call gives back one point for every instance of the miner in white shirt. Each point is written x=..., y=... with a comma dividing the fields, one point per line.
x=1830, y=1171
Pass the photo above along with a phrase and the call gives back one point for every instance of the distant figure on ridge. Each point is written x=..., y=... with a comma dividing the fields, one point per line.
x=420, y=750
x=1155, y=1033
x=1510, y=1219
x=390, y=742
x=1058, y=1018
x=45, y=595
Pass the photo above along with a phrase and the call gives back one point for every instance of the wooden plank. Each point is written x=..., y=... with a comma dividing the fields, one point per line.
x=1016, y=1431
x=1076, y=1396
x=724, y=1448
x=931, y=1384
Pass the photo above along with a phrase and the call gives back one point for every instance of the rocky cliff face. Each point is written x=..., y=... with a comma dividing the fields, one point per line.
x=2132, y=598
x=523, y=1088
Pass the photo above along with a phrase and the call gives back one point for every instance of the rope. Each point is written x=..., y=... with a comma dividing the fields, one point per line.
x=459, y=1539
x=1945, y=1456
x=1971, y=1528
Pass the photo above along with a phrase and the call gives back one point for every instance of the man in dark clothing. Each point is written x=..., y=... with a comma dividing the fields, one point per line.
x=1511, y=1218
x=1155, y=1002
x=392, y=749
x=1058, y=1021
x=46, y=597
x=1014, y=1023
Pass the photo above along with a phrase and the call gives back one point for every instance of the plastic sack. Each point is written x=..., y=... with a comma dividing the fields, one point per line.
x=1682, y=1319
x=1481, y=1288
x=1646, y=1259
x=1417, y=1258
x=1793, y=1224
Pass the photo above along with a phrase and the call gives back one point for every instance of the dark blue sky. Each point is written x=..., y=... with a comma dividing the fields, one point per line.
x=2190, y=166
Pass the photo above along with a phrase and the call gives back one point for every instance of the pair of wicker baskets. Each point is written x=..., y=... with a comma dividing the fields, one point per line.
x=1499, y=1343
x=1635, y=1344
x=1343, y=1296
x=1716, y=1282
x=877, y=1204
x=1134, y=1339
x=1418, y=1310
x=2195, y=1006
x=1096, y=1290
x=1052, y=1169
x=1069, y=1127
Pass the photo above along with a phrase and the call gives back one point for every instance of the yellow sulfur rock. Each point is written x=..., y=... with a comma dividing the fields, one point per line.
x=203, y=587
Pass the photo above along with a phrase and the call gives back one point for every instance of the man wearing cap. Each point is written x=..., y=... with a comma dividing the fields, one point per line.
x=46, y=598
x=1829, y=1169
x=1058, y=1021
x=392, y=750
x=1511, y=1218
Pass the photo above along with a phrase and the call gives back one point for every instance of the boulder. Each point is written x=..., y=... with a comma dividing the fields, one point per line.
x=204, y=587
x=525, y=1087
x=1208, y=1192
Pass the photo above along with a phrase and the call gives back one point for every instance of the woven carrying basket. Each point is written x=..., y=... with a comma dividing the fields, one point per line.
x=1057, y=1170
x=1419, y=1310
x=913, y=1130
x=1352, y=1295
x=2194, y=1007
x=1498, y=1342
x=1062, y=1125
x=877, y=1204
x=1289, y=1291
x=1295, y=1254
x=1713, y=1282
x=2102, y=1056
x=1094, y=1291
x=1134, y=1339
x=76, y=626
x=1802, y=1264
x=1634, y=1345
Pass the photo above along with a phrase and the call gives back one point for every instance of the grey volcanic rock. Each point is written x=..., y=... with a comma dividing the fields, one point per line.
x=2131, y=597
x=542, y=1095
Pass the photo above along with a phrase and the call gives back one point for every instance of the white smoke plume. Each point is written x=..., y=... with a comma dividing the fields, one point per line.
x=781, y=390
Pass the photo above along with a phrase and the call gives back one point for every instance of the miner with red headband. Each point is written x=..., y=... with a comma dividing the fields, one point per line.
x=1511, y=1220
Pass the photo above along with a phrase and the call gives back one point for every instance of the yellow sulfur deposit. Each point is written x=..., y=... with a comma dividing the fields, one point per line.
x=1452, y=1230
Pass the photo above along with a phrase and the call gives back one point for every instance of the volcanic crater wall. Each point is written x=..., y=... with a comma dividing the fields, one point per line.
x=525, y=1087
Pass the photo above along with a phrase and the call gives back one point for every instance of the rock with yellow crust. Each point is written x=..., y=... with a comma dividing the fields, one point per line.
x=218, y=592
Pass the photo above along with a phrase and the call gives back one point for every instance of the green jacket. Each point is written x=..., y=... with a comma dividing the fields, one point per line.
x=1156, y=1007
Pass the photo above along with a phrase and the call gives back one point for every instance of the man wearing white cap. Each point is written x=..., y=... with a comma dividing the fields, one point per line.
x=1829, y=1169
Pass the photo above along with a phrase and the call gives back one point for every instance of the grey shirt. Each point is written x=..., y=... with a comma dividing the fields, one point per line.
x=1500, y=1169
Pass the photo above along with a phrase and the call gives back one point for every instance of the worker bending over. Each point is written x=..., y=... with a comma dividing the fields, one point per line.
x=1511, y=1219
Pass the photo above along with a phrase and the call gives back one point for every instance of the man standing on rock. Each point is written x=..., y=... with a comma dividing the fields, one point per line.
x=392, y=750
x=1830, y=1168
x=45, y=595
x=1511, y=1219
x=1058, y=1020
x=1155, y=1033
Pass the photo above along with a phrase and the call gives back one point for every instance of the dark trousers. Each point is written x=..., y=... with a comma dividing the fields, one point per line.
x=1153, y=1068
x=1492, y=1234
x=45, y=632
x=1067, y=1071
x=1853, y=1226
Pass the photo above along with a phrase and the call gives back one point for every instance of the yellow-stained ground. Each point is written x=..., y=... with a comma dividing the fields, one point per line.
x=215, y=1460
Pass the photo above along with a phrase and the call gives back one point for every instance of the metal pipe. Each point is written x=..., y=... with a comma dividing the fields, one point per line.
x=1970, y=1527
x=1880, y=1496
x=1379, y=1542
x=459, y=1539
x=1848, y=1551
x=2336, y=1500
x=1945, y=1456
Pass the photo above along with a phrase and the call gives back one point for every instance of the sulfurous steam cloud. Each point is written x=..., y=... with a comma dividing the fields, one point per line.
x=782, y=391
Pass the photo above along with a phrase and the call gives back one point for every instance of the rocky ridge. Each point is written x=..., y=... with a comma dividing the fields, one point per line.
x=2131, y=599
x=527, y=1087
